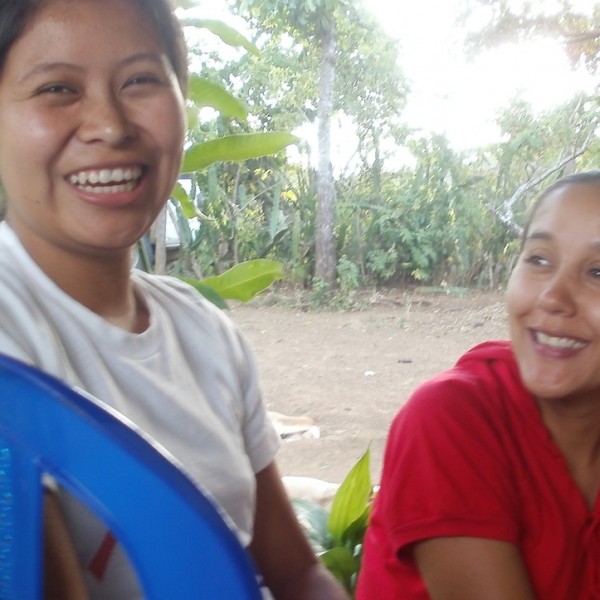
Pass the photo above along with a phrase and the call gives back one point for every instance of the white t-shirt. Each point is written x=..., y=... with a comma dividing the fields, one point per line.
x=189, y=381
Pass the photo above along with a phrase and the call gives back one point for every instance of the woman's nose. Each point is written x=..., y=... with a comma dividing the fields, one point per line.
x=559, y=295
x=104, y=119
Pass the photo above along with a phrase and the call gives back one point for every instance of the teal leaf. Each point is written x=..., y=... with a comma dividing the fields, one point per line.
x=313, y=520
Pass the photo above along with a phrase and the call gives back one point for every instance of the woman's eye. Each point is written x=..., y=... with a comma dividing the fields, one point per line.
x=56, y=88
x=537, y=260
x=144, y=79
x=595, y=272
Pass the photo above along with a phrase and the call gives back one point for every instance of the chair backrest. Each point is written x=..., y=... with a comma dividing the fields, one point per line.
x=177, y=540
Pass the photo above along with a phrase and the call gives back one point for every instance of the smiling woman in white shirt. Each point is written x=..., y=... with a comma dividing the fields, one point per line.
x=92, y=126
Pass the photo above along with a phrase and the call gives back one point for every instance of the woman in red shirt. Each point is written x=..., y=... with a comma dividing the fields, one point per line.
x=490, y=483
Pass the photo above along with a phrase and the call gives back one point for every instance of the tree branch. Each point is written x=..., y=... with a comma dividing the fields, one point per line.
x=507, y=215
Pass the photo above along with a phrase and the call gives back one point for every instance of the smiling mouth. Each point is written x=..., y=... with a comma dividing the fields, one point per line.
x=562, y=343
x=107, y=181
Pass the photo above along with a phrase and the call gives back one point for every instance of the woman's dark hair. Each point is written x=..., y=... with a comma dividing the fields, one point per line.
x=581, y=178
x=15, y=15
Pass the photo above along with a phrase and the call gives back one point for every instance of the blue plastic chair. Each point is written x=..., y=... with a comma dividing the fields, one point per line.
x=176, y=539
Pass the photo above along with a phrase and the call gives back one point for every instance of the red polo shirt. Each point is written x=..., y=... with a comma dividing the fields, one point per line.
x=468, y=455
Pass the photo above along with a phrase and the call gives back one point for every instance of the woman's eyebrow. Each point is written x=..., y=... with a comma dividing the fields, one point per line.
x=538, y=235
x=545, y=237
x=46, y=67
x=141, y=56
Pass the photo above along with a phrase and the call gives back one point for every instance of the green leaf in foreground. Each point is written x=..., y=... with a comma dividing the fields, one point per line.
x=242, y=282
x=187, y=206
x=313, y=520
x=204, y=92
x=206, y=291
x=352, y=497
x=341, y=563
x=337, y=537
x=228, y=34
x=237, y=147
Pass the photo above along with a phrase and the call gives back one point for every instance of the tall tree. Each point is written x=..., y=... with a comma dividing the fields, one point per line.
x=282, y=92
x=315, y=20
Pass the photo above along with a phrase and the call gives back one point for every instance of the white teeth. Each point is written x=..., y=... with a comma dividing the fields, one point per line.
x=559, y=342
x=105, y=176
x=110, y=189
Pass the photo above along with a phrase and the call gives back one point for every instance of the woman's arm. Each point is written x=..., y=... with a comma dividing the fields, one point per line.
x=466, y=568
x=283, y=555
x=63, y=579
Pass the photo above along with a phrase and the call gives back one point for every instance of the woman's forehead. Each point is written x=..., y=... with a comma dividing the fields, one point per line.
x=572, y=205
x=64, y=31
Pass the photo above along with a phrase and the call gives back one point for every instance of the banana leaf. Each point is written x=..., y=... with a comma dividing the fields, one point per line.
x=204, y=92
x=237, y=147
x=245, y=280
x=227, y=34
x=187, y=206
x=206, y=291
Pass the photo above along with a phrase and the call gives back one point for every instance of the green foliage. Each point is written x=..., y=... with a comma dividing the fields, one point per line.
x=283, y=90
x=204, y=92
x=207, y=291
x=320, y=294
x=180, y=196
x=235, y=148
x=229, y=35
x=245, y=280
x=337, y=536
x=578, y=32
x=444, y=218
x=224, y=147
x=348, y=275
x=382, y=263
x=371, y=88
x=311, y=17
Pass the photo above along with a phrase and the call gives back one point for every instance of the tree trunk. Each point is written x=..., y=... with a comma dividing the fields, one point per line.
x=160, y=242
x=325, y=252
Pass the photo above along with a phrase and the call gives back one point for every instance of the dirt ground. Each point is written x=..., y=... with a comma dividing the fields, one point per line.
x=352, y=370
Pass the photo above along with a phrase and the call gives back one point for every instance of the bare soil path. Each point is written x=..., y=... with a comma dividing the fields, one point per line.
x=352, y=370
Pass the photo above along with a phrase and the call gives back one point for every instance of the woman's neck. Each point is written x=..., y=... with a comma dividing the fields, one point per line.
x=100, y=282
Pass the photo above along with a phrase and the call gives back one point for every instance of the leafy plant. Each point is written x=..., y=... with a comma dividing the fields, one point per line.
x=241, y=282
x=320, y=294
x=348, y=275
x=337, y=536
x=245, y=280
